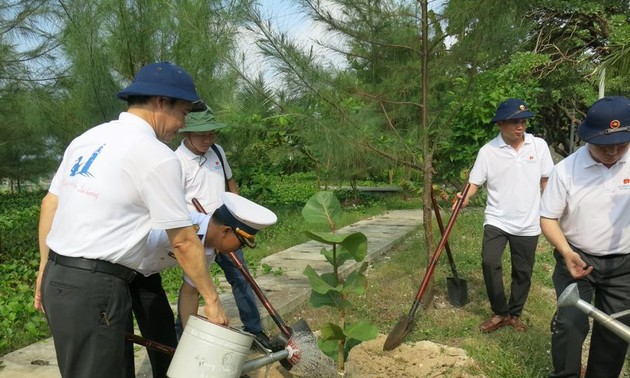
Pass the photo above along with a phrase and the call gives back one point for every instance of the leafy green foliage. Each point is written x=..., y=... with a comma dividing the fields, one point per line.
x=331, y=289
x=19, y=261
x=278, y=192
x=471, y=125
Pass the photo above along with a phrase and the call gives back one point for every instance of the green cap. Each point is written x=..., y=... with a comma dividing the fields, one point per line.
x=199, y=122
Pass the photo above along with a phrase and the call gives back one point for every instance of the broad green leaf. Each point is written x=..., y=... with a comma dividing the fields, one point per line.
x=329, y=348
x=320, y=284
x=337, y=259
x=331, y=299
x=329, y=255
x=323, y=209
x=361, y=330
x=356, y=282
x=350, y=343
x=330, y=331
x=326, y=237
x=356, y=245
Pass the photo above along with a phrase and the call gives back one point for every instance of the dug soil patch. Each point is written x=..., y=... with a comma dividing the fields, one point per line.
x=410, y=360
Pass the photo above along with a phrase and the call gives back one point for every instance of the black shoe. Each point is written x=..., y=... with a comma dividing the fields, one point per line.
x=262, y=340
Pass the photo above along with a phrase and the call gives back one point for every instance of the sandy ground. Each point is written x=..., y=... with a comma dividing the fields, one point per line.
x=368, y=360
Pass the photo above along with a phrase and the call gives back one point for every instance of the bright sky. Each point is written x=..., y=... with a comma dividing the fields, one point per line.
x=285, y=16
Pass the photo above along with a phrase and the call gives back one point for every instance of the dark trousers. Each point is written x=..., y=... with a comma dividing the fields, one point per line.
x=609, y=286
x=88, y=314
x=523, y=254
x=242, y=292
x=155, y=318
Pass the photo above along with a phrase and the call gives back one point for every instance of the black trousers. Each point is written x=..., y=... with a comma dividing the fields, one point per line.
x=609, y=286
x=88, y=314
x=523, y=253
x=155, y=318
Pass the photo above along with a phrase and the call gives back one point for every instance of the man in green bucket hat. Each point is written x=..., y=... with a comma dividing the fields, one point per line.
x=207, y=176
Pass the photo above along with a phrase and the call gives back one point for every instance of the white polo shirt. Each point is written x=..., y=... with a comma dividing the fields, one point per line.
x=158, y=255
x=116, y=181
x=203, y=181
x=591, y=203
x=512, y=180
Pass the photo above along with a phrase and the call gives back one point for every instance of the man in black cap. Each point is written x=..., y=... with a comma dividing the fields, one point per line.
x=116, y=182
x=584, y=215
x=514, y=167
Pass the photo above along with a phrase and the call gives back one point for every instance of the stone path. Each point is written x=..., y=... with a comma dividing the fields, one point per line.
x=285, y=292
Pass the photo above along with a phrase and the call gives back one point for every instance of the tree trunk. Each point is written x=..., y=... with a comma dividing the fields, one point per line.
x=427, y=153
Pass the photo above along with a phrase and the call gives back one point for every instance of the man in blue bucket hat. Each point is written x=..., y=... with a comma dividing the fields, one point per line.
x=584, y=215
x=514, y=167
x=115, y=183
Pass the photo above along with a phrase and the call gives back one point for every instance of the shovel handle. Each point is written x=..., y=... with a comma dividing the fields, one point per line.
x=286, y=330
x=438, y=217
x=150, y=344
x=438, y=251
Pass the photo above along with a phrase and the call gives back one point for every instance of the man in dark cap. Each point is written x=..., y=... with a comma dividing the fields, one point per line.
x=514, y=168
x=584, y=215
x=116, y=181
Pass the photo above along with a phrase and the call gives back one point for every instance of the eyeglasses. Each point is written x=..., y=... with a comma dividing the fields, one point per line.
x=244, y=238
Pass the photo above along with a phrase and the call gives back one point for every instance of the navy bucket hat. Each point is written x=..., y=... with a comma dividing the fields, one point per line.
x=512, y=108
x=163, y=79
x=607, y=121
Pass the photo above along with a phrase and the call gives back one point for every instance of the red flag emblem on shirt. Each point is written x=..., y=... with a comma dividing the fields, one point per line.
x=531, y=157
x=626, y=181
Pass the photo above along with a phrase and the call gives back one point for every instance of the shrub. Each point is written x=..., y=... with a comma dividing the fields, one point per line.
x=331, y=289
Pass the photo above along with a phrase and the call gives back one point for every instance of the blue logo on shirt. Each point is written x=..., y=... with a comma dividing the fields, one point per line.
x=84, y=169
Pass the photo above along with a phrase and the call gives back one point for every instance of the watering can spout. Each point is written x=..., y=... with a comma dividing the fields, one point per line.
x=570, y=296
x=265, y=360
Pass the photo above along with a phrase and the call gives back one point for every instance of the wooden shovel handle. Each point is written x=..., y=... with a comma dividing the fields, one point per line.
x=438, y=217
x=438, y=251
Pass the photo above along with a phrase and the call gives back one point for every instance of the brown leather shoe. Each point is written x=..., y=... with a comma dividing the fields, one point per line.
x=517, y=323
x=494, y=323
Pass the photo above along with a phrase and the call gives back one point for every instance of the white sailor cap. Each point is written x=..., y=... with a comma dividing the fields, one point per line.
x=245, y=217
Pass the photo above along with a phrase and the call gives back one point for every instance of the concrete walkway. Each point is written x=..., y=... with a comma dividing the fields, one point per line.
x=285, y=292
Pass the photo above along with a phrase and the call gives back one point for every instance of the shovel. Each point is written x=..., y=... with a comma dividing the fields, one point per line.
x=407, y=322
x=457, y=287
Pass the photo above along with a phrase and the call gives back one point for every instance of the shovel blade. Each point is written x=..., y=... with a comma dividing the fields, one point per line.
x=457, y=291
x=300, y=326
x=396, y=336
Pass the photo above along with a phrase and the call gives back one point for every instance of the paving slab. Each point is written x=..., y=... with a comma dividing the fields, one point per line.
x=286, y=290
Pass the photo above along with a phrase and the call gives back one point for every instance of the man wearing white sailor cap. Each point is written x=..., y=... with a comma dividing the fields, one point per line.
x=239, y=218
x=233, y=225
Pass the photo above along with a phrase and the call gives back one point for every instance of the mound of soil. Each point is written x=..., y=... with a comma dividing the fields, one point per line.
x=368, y=360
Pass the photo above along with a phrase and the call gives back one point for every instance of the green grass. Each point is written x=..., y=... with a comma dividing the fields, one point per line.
x=395, y=278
